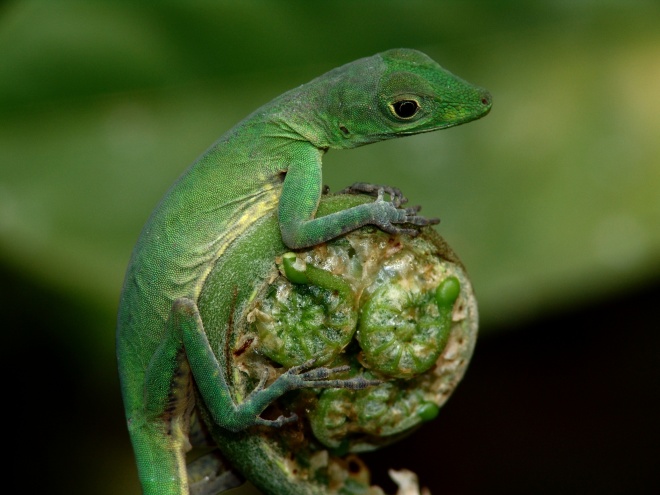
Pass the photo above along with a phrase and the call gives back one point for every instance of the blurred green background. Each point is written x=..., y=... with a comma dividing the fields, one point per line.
x=552, y=202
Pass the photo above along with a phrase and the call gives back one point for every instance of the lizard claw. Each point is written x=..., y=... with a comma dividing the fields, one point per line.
x=261, y=385
x=301, y=368
x=396, y=196
x=279, y=422
x=392, y=229
x=411, y=217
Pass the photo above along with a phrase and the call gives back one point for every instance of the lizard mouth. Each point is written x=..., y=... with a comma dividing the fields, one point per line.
x=444, y=125
x=450, y=123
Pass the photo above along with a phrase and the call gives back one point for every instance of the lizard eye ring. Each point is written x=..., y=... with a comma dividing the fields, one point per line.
x=405, y=109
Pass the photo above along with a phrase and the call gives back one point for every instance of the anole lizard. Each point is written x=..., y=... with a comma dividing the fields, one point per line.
x=271, y=160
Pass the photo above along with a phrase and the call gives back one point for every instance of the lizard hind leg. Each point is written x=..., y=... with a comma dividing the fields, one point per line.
x=210, y=376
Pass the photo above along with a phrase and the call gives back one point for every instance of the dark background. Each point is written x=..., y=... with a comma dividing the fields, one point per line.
x=551, y=201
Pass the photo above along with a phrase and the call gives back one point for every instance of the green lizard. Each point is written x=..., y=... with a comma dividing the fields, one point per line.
x=269, y=161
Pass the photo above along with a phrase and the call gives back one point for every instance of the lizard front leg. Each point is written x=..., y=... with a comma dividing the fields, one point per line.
x=300, y=197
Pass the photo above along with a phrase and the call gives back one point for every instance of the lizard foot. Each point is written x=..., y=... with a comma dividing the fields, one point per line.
x=306, y=376
x=397, y=215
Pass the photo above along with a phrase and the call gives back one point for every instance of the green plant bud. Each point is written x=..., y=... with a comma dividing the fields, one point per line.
x=308, y=314
x=402, y=328
x=358, y=421
x=394, y=309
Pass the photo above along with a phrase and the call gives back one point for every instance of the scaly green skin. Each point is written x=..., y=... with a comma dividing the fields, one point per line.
x=271, y=160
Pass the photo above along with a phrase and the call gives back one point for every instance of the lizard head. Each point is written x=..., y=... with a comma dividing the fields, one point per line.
x=397, y=93
x=416, y=95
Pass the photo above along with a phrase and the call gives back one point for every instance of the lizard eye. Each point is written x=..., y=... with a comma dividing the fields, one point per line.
x=405, y=109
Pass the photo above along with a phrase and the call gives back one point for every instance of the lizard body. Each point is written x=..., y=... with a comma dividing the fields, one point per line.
x=269, y=161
